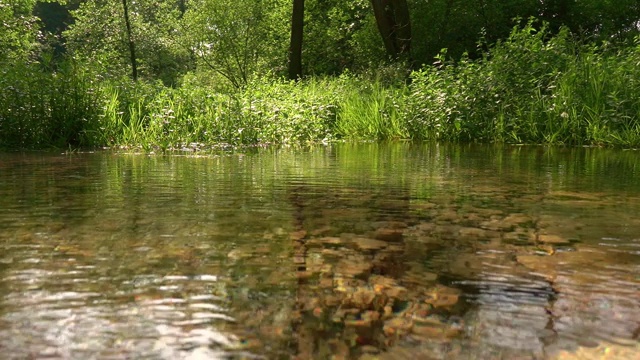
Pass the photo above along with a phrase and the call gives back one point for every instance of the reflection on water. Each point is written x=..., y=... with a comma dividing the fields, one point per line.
x=349, y=251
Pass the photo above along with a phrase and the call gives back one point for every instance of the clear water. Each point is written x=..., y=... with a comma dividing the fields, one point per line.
x=348, y=251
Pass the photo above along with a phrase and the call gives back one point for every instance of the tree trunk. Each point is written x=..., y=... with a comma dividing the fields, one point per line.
x=394, y=24
x=132, y=45
x=443, y=26
x=295, y=47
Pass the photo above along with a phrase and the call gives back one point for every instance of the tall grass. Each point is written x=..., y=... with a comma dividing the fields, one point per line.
x=267, y=112
x=371, y=112
x=45, y=108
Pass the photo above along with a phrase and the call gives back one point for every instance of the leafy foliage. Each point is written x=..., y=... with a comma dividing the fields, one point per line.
x=532, y=87
x=341, y=35
x=235, y=39
x=18, y=33
x=98, y=39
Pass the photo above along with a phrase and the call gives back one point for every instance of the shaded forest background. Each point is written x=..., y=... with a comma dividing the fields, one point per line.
x=246, y=38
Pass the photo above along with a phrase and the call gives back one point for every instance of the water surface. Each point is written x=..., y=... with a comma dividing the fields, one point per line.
x=353, y=251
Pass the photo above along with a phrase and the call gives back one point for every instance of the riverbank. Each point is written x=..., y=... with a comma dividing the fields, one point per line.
x=531, y=88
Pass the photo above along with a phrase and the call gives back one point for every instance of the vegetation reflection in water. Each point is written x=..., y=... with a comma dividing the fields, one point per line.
x=352, y=251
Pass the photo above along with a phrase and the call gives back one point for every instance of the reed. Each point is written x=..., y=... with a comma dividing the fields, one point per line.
x=40, y=109
x=371, y=112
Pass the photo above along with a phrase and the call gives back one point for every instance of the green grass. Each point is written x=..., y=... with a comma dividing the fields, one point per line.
x=371, y=112
x=41, y=109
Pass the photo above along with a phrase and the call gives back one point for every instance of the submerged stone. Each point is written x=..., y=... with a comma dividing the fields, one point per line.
x=552, y=239
x=369, y=244
x=442, y=296
x=391, y=235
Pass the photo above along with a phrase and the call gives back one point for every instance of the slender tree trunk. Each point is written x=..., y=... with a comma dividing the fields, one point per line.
x=182, y=7
x=132, y=45
x=295, y=47
x=443, y=26
x=394, y=24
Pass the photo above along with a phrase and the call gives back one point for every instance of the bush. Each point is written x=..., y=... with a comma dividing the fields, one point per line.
x=534, y=87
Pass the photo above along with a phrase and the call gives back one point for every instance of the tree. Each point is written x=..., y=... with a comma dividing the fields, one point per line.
x=459, y=25
x=394, y=24
x=295, y=47
x=236, y=39
x=594, y=19
x=344, y=36
x=104, y=38
x=132, y=44
x=18, y=31
x=54, y=19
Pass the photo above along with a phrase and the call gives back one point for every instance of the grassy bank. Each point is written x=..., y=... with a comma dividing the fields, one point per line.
x=531, y=88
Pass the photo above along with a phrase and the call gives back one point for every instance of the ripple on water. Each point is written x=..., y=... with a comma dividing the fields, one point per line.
x=69, y=324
